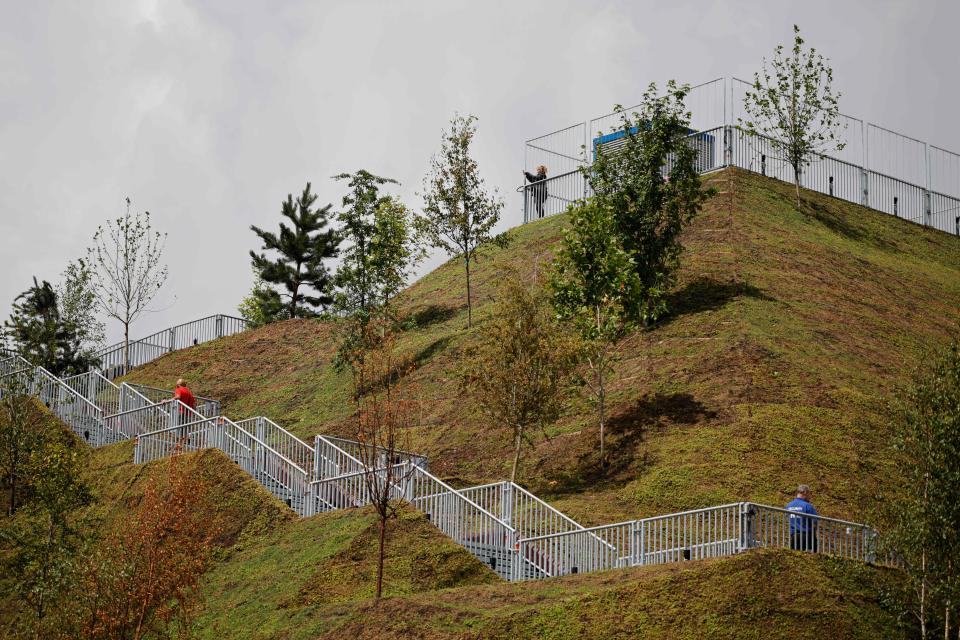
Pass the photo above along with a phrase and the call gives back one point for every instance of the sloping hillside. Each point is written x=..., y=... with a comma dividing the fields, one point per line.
x=790, y=330
x=762, y=594
x=268, y=563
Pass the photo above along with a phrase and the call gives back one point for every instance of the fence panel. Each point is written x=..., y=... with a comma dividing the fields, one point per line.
x=691, y=535
x=896, y=197
x=280, y=440
x=364, y=453
x=773, y=527
x=560, y=151
x=581, y=551
x=166, y=340
x=483, y=534
x=552, y=196
x=944, y=171
x=895, y=155
x=945, y=213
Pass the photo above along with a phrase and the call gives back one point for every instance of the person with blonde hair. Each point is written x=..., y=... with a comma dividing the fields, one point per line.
x=538, y=189
x=185, y=396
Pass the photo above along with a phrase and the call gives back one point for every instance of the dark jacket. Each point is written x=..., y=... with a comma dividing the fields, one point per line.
x=539, y=191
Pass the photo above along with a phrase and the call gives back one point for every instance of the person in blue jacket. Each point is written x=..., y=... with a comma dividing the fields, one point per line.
x=803, y=529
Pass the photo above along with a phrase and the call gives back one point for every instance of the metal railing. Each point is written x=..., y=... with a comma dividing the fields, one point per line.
x=359, y=451
x=162, y=342
x=695, y=535
x=280, y=440
x=277, y=473
x=207, y=407
x=878, y=168
x=331, y=460
x=517, y=534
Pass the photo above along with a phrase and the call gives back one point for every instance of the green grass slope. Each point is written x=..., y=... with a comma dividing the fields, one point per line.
x=762, y=594
x=791, y=328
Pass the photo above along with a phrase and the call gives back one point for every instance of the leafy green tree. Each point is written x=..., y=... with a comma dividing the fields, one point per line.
x=592, y=280
x=44, y=541
x=521, y=368
x=42, y=336
x=652, y=187
x=391, y=254
x=358, y=287
x=126, y=260
x=21, y=433
x=77, y=305
x=299, y=266
x=792, y=103
x=458, y=214
x=927, y=514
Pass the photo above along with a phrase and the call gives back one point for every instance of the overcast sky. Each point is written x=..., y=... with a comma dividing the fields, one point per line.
x=208, y=113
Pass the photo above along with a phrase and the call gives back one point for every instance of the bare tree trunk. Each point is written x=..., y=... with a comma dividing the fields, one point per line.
x=466, y=263
x=380, y=555
x=516, y=455
x=602, y=396
x=126, y=347
x=796, y=182
x=923, y=595
x=13, y=493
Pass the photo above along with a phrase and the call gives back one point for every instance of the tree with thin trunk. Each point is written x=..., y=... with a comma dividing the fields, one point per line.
x=386, y=410
x=128, y=269
x=591, y=282
x=521, y=367
x=21, y=433
x=357, y=286
x=458, y=214
x=300, y=264
x=77, y=303
x=651, y=186
x=793, y=105
x=43, y=540
x=926, y=534
x=142, y=580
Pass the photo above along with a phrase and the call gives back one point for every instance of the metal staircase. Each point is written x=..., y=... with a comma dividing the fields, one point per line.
x=517, y=534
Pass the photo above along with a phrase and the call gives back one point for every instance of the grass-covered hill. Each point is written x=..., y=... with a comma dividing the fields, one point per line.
x=791, y=329
x=761, y=594
x=279, y=577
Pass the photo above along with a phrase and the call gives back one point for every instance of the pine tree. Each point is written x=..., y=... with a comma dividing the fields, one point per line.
x=302, y=250
x=42, y=336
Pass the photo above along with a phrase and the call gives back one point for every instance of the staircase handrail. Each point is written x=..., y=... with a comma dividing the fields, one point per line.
x=226, y=420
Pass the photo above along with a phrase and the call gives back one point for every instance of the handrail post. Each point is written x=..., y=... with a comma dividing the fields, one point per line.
x=727, y=145
x=506, y=502
x=748, y=534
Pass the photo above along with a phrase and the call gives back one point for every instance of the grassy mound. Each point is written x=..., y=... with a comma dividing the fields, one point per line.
x=762, y=594
x=790, y=329
x=300, y=573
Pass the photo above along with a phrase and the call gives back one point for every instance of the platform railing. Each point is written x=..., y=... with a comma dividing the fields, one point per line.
x=877, y=168
x=164, y=341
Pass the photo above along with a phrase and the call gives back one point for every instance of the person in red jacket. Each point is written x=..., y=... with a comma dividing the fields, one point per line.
x=183, y=394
